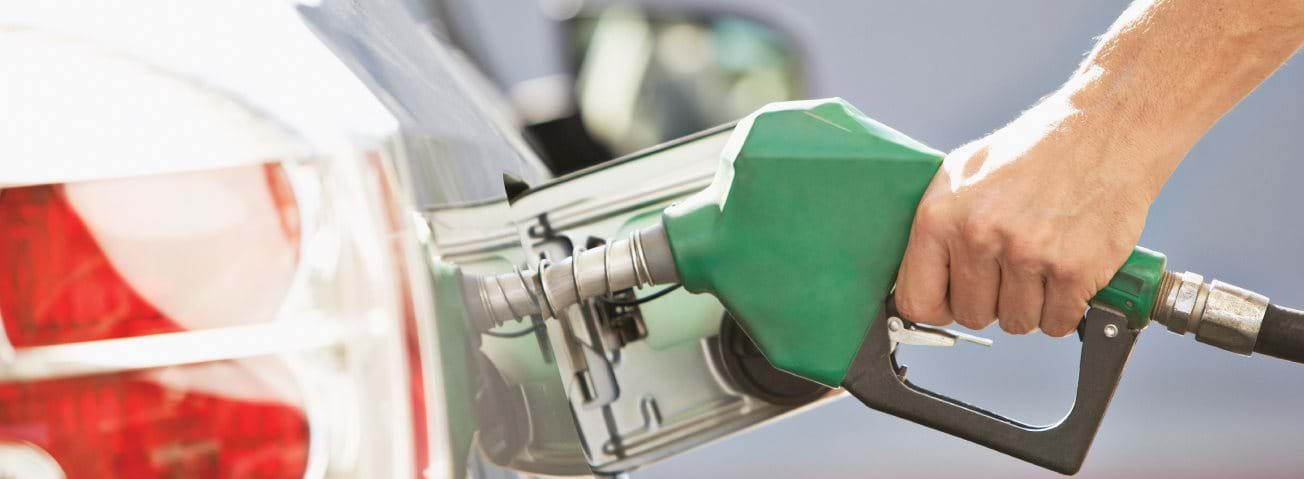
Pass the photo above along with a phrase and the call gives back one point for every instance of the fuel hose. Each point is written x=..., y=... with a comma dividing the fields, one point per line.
x=1282, y=334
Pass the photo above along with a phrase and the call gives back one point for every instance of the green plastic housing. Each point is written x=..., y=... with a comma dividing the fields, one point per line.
x=1135, y=287
x=802, y=231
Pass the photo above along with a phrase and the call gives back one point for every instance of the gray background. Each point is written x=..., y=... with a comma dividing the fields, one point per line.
x=947, y=72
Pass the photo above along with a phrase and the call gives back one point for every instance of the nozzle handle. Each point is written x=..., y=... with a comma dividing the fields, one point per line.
x=1282, y=334
x=879, y=381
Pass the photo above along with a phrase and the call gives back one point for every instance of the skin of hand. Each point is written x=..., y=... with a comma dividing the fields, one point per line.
x=1028, y=223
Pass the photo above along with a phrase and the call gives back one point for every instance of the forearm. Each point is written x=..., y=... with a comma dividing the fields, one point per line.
x=1168, y=69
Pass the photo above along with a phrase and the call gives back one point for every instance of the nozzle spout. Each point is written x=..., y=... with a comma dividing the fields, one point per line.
x=642, y=259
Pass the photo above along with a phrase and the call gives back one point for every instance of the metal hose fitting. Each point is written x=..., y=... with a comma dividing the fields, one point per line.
x=1219, y=314
x=642, y=259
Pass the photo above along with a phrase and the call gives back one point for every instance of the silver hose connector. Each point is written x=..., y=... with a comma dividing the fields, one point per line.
x=642, y=259
x=1219, y=314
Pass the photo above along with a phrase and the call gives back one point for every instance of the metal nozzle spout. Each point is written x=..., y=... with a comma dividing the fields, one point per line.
x=642, y=259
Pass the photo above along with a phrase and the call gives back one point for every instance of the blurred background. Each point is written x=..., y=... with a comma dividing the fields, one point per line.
x=593, y=80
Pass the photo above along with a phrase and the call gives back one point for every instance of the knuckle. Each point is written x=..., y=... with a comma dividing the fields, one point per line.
x=931, y=217
x=978, y=229
x=982, y=233
x=1025, y=256
x=1067, y=271
x=1029, y=248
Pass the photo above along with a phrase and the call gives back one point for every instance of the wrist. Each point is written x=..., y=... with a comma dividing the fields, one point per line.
x=1126, y=128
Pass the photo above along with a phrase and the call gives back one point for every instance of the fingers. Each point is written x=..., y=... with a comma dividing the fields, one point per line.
x=1064, y=305
x=922, y=280
x=980, y=278
x=1021, y=299
x=975, y=279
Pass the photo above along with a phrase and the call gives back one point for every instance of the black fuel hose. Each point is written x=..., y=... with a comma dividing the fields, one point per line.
x=1282, y=334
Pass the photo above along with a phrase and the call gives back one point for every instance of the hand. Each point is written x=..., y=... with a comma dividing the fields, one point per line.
x=1027, y=224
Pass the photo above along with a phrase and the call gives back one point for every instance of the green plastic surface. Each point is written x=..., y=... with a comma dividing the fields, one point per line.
x=1134, y=288
x=802, y=231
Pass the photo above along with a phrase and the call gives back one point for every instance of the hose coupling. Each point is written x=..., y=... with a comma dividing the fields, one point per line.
x=1219, y=314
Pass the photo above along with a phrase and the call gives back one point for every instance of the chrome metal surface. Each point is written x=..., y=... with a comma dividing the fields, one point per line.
x=1232, y=317
x=550, y=305
x=1187, y=293
x=1219, y=314
x=585, y=275
x=592, y=383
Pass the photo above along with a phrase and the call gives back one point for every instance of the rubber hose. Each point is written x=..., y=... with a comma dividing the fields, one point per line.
x=1282, y=334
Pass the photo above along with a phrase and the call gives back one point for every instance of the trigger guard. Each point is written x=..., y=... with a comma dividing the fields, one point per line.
x=873, y=378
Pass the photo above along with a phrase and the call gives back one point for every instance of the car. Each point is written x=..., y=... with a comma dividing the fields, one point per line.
x=223, y=250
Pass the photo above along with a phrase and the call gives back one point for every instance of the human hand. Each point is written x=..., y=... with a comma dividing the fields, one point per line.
x=1027, y=224
x=1030, y=222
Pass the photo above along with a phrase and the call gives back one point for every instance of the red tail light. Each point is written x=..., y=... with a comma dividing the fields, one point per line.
x=246, y=322
x=58, y=286
x=134, y=425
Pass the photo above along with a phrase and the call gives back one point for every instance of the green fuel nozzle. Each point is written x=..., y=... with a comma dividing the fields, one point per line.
x=800, y=236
